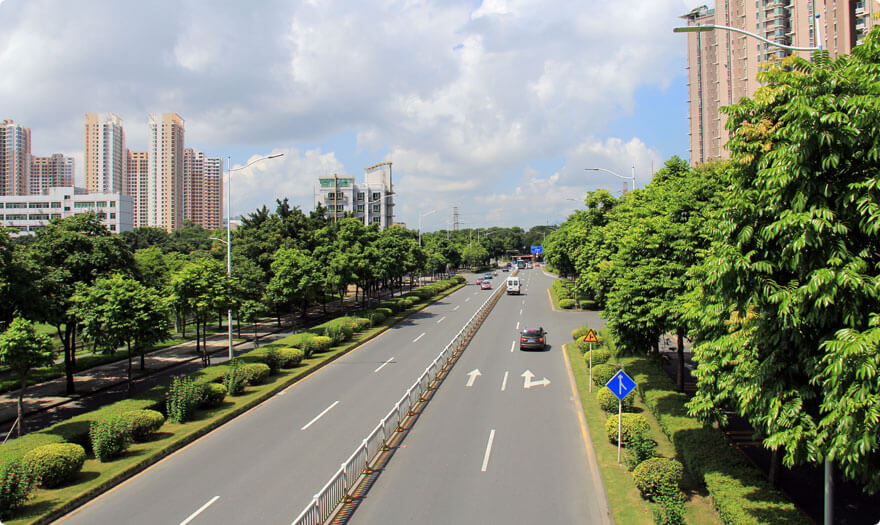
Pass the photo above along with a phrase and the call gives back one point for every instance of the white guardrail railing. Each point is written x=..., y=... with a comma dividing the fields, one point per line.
x=348, y=476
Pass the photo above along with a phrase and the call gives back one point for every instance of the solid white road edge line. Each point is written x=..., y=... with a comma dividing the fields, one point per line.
x=383, y=364
x=488, y=449
x=504, y=383
x=196, y=513
x=419, y=337
x=319, y=416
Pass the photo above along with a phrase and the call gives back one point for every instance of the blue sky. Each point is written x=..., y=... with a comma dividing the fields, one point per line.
x=491, y=106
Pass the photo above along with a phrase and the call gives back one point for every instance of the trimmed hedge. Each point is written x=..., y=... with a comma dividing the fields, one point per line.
x=739, y=491
x=579, y=332
x=566, y=304
x=603, y=373
x=144, y=423
x=634, y=426
x=291, y=357
x=601, y=355
x=55, y=464
x=657, y=475
x=213, y=395
x=609, y=403
x=256, y=373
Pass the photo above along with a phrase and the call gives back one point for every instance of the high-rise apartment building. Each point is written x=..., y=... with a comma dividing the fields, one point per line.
x=135, y=185
x=371, y=202
x=104, y=155
x=15, y=158
x=723, y=65
x=165, y=172
x=50, y=172
x=202, y=189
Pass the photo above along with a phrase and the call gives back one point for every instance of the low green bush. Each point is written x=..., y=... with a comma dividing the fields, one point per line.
x=577, y=333
x=144, y=423
x=738, y=490
x=634, y=426
x=110, y=438
x=639, y=449
x=383, y=310
x=213, y=395
x=56, y=464
x=589, y=304
x=654, y=475
x=273, y=360
x=603, y=373
x=601, y=355
x=234, y=378
x=321, y=344
x=182, y=398
x=566, y=304
x=256, y=373
x=362, y=323
x=16, y=483
x=290, y=357
x=609, y=403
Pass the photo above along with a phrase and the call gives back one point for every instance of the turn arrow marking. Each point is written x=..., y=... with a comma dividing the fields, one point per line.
x=528, y=383
x=472, y=376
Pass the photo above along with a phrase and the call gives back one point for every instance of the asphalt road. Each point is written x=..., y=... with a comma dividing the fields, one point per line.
x=497, y=451
x=265, y=466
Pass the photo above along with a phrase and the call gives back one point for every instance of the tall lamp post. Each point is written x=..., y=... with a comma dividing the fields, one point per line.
x=228, y=242
x=829, y=465
x=631, y=177
x=420, y=224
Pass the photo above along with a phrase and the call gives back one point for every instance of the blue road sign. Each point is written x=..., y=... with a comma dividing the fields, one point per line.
x=537, y=249
x=621, y=384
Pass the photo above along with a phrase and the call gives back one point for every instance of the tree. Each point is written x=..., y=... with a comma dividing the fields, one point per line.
x=201, y=288
x=789, y=322
x=22, y=349
x=475, y=255
x=69, y=251
x=296, y=280
x=122, y=312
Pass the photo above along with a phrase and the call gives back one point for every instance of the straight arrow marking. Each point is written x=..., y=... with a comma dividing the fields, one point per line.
x=472, y=376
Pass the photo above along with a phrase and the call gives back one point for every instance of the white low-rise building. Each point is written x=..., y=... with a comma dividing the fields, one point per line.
x=371, y=202
x=31, y=213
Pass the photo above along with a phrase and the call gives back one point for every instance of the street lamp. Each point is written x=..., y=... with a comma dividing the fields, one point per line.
x=712, y=27
x=420, y=224
x=228, y=242
x=631, y=177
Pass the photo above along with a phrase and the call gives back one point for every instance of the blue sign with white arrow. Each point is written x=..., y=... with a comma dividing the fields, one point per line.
x=538, y=249
x=621, y=384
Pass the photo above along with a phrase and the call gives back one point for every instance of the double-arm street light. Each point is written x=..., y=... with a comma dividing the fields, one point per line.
x=420, y=224
x=228, y=241
x=631, y=177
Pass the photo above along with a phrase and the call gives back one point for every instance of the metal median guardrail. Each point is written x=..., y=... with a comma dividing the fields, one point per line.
x=347, y=478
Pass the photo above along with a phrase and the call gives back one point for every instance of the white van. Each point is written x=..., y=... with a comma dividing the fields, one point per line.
x=513, y=285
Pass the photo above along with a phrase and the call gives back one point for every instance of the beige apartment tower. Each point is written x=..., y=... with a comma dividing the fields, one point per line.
x=15, y=158
x=723, y=65
x=165, y=172
x=202, y=189
x=50, y=172
x=104, y=155
x=135, y=185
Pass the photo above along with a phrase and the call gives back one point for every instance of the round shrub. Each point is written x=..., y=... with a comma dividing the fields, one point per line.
x=55, y=464
x=577, y=333
x=17, y=482
x=291, y=357
x=255, y=373
x=656, y=475
x=635, y=426
x=566, y=304
x=144, y=423
x=273, y=360
x=602, y=373
x=362, y=323
x=213, y=395
x=384, y=310
x=321, y=343
x=601, y=355
x=609, y=403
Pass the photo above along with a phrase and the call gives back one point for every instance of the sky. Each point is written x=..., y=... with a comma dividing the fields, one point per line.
x=495, y=107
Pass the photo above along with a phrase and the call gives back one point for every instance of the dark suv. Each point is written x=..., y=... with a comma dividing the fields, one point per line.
x=533, y=339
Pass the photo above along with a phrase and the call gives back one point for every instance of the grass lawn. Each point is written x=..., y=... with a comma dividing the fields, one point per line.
x=96, y=477
x=627, y=505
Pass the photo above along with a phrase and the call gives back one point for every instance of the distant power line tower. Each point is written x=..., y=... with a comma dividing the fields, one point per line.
x=455, y=218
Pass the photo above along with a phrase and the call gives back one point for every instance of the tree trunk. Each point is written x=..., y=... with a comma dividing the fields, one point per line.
x=198, y=342
x=775, y=464
x=128, y=344
x=680, y=361
x=143, y=363
x=19, y=424
x=64, y=335
x=73, y=348
x=255, y=334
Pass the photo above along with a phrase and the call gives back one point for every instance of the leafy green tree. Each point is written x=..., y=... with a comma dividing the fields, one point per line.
x=70, y=251
x=22, y=349
x=475, y=255
x=122, y=312
x=296, y=280
x=789, y=322
x=251, y=311
x=201, y=288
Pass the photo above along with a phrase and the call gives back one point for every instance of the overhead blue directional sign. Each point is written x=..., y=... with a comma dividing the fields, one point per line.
x=537, y=249
x=621, y=384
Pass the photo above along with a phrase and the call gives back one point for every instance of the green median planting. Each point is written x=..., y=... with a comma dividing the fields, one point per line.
x=123, y=438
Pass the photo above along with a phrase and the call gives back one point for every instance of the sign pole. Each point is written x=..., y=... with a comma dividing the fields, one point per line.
x=591, y=367
x=619, y=427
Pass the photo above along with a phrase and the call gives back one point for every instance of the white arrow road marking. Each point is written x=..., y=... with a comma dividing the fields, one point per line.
x=488, y=449
x=419, y=337
x=383, y=364
x=441, y=319
x=456, y=307
x=504, y=383
x=196, y=513
x=528, y=383
x=472, y=376
x=512, y=344
x=319, y=416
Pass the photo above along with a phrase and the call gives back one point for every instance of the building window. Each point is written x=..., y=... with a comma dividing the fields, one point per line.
x=360, y=195
x=56, y=204
x=112, y=227
x=112, y=215
x=38, y=205
x=101, y=204
x=112, y=204
x=55, y=216
x=67, y=208
x=360, y=207
x=376, y=208
x=81, y=204
x=38, y=216
x=375, y=220
x=376, y=196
